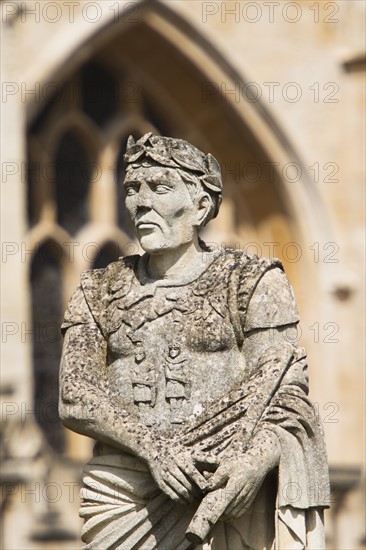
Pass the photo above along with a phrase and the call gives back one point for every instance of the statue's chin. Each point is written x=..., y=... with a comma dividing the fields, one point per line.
x=152, y=245
x=157, y=243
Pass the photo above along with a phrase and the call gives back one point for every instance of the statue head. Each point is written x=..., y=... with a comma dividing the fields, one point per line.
x=172, y=185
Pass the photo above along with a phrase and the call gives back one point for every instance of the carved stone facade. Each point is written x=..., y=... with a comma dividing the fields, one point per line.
x=183, y=70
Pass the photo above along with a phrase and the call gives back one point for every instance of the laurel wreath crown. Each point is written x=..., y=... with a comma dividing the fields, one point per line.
x=174, y=153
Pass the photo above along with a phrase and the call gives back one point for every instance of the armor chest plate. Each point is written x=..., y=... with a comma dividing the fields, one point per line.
x=173, y=354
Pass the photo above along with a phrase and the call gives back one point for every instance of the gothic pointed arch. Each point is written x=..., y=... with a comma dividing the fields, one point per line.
x=155, y=72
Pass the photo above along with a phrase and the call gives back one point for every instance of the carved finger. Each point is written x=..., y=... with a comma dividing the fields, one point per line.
x=237, y=508
x=160, y=475
x=183, y=480
x=205, y=461
x=240, y=502
x=193, y=474
x=168, y=491
x=186, y=465
x=180, y=492
x=219, y=478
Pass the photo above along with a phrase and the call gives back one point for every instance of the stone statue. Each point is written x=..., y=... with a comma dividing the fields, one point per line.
x=182, y=365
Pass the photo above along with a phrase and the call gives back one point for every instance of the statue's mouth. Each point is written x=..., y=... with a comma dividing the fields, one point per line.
x=146, y=225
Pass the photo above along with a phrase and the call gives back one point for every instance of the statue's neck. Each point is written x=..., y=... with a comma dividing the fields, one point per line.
x=172, y=264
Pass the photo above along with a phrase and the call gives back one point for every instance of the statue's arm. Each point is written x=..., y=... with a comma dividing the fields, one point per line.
x=85, y=404
x=271, y=322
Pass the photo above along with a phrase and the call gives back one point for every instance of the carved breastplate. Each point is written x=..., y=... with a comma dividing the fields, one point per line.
x=175, y=349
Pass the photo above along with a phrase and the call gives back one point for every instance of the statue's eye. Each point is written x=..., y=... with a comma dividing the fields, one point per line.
x=161, y=188
x=130, y=190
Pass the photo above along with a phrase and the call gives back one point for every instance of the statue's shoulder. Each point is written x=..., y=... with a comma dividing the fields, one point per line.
x=269, y=297
x=260, y=291
x=236, y=268
x=249, y=264
x=99, y=286
x=117, y=273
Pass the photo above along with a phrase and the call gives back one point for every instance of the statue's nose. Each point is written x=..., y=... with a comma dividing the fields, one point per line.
x=144, y=197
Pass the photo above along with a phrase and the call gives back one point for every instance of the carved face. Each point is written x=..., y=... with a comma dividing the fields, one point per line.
x=163, y=212
x=139, y=355
x=174, y=351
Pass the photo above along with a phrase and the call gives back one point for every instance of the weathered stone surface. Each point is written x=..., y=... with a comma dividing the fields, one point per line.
x=183, y=365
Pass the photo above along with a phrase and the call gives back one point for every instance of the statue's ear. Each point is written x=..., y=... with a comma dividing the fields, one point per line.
x=130, y=142
x=203, y=210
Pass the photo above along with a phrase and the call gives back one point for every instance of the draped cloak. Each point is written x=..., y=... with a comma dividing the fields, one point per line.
x=223, y=398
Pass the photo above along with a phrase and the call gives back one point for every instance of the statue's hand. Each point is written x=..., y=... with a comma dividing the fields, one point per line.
x=241, y=476
x=240, y=480
x=175, y=471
